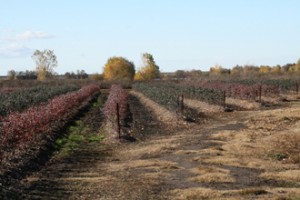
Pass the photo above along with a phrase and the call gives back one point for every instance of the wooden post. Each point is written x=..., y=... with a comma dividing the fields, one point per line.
x=297, y=88
x=181, y=104
x=259, y=93
x=224, y=98
x=118, y=120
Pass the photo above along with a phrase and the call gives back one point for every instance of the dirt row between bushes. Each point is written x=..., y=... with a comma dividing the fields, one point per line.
x=227, y=156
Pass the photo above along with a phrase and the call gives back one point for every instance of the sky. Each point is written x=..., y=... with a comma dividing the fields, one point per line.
x=180, y=34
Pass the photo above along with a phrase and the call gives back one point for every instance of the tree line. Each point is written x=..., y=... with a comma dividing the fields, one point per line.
x=120, y=68
x=116, y=68
x=239, y=71
x=262, y=69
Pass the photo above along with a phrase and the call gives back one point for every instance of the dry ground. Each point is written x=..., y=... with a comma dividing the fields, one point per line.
x=237, y=155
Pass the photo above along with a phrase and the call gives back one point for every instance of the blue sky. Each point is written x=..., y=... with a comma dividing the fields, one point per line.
x=180, y=34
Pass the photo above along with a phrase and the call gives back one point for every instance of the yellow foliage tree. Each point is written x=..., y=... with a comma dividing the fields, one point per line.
x=149, y=71
x=276, y=69
x=264, y=69
x=218, y=70
x=296, y=68
x=119, y=68
x=96, y=77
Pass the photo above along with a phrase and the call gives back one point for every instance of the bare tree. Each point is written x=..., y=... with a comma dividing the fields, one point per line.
x=45, y=62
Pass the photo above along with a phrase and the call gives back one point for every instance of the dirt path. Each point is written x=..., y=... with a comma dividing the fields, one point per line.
x=195, y=161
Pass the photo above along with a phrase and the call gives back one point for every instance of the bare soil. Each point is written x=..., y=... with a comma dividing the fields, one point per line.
x=227, y=156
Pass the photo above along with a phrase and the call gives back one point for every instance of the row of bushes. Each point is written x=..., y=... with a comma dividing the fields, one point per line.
x=19, y=128
x=21, y=99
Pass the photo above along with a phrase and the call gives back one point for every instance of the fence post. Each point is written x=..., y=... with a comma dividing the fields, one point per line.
x=181, y=104
x=259, y=93
x=297, y=88
x=118, y=120
x=224, y=98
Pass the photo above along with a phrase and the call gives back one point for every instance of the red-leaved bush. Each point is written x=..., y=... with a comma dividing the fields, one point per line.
x=21, y=127
x=116, y=96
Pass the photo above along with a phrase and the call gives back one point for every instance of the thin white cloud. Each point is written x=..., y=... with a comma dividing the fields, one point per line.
x=15, y=50
x=31, y=35
x=27, y=36
x=13, y=46
x=8, y=30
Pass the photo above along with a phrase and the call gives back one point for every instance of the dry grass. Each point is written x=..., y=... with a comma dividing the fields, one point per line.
x=225, y=160
x=155, y=175
x=145, y=164
x=252, y=191
x=285, y=193
x=205, y=194
x=203, y=106
x=272, y=100
x=187, y=152
x=287, y=175
x=211, y=174
x=285, y=146
x=248, y=147
x=249, y=105
x=224, y=135
x=213, y=178
x=86, y=179
x=152, y=149
x=209, y=169
x=196, y=193
x=290, y=96
x=80, y=178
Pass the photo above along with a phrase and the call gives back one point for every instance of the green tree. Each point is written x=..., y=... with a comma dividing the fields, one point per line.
x=45, y=62
x=119, y=68
x=150, y=70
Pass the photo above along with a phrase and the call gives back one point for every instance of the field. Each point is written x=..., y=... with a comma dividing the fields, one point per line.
x=170, y=140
